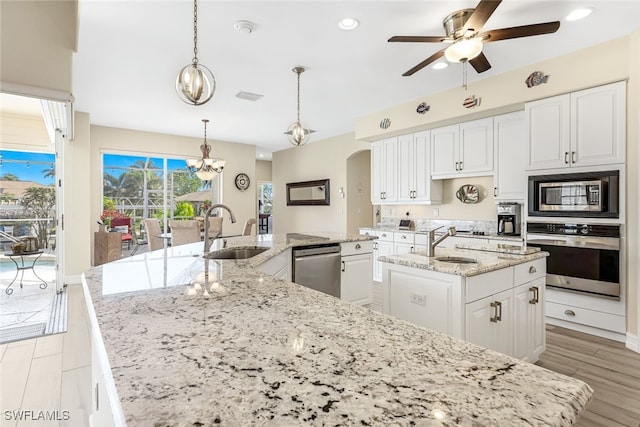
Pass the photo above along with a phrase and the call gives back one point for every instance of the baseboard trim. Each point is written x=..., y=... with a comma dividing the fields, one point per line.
x=633, y=342
x=616, y=336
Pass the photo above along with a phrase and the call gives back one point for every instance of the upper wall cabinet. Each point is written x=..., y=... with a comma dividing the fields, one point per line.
x=384, y=171
x=463, y=150
x=584, y=128
x=510, y=179
x=400, y=171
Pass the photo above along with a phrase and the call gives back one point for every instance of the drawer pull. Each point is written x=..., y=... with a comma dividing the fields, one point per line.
x=358, y=246
x=570, y=312
x=498, y=311
x=536, y=296
x=384, y=235
x=532, y=269
x=403, y=237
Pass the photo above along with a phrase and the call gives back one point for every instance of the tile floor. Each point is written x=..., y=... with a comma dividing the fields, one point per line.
x=50, y=373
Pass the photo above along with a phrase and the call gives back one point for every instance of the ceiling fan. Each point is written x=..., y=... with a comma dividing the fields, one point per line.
x=463, y=32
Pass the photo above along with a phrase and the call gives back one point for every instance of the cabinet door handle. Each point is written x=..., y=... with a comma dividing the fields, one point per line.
x=495, y=191
x=343, y=266
x=532, y=269
x=566, y=157
x=461, y=166
x=535, y=290
x=358, y=246
x=570, y=312
x=573, y=157
x=497, y=305
x=457, y=166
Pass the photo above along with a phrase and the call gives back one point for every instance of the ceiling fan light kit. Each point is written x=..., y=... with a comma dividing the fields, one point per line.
x=462, y=29
x=195, y=83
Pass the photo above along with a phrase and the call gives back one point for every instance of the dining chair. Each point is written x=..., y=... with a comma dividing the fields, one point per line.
x=152, y=227
x=184, y=231
x=248, y=227
x=123, y=226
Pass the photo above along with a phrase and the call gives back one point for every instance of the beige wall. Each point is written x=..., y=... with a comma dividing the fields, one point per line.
x=451, y=207
x=38, y=39
x=263, y=171
x=358, y=191
x=239, y=158
x=611, y=61
x=317, y=160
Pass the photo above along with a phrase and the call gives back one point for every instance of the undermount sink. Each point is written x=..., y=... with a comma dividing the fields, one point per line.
x=456, y=260
x=240, y=252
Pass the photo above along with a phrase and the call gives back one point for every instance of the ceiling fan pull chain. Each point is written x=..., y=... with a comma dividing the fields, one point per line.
x=464, y=75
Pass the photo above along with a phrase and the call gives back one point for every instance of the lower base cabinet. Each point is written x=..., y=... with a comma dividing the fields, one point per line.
x=502, y=310
x=356, y=272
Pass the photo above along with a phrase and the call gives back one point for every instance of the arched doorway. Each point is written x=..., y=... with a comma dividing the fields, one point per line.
x=359, y=209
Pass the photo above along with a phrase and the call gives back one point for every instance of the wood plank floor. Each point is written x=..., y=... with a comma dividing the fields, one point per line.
x=612, y=370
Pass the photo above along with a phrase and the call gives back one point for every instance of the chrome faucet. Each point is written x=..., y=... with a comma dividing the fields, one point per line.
x=207, y=243
x=431, y=243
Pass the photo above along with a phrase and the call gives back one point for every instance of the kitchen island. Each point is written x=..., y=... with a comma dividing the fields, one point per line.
x=257, y=350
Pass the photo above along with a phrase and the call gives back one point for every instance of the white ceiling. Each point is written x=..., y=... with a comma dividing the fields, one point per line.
x=130, y=52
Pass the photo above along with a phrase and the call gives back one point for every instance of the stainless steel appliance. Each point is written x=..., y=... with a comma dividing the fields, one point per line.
x=586, y=195
x=318, y=267
x=583, y=257
x=509, y=219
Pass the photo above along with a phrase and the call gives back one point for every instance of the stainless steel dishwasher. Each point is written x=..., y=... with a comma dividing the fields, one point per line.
x=318, y=267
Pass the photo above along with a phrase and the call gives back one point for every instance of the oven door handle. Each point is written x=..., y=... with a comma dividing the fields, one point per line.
x=606, y=243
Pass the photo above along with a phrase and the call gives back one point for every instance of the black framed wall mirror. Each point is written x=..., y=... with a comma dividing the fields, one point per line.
x=306, y=193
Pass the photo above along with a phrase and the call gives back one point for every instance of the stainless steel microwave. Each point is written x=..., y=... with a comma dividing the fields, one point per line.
x=586, y=195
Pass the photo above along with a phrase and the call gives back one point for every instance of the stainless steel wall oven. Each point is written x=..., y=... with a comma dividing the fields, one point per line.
x=586, y=195
x=583, y=257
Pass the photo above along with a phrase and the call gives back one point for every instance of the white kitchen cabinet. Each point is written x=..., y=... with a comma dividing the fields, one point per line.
x=529, y=335
x=383, y=171
x=432, y=301
x=403, y=242
x=414, y=176
x=383, y=246
x=584, y=128
x=490, y=322
x=278, y=266
x=356, y=272
x=463, y=150
x=510, y=180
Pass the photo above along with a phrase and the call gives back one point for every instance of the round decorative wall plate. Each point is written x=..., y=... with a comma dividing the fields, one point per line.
x=242, y=181
x=468, y=194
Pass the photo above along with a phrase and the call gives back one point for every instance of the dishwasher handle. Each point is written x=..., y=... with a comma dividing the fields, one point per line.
x=319, y=250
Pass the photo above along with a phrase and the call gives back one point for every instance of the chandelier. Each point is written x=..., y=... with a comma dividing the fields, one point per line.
x=297, y=133
x=195, y=83
x=206, y=167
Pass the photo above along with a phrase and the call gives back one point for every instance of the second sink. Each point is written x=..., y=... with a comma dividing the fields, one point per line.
x=240, y=252
x=456, y=260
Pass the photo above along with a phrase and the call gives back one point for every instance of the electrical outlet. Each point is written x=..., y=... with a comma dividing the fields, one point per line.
x=418, y=299
x=436, y=211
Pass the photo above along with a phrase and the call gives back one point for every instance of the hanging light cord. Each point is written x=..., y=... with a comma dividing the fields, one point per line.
x=195, y=32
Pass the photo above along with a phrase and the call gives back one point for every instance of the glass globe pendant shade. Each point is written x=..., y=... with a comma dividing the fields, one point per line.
x=298, y=134
x=206, y=174
x=195, y=84
x=464, y=50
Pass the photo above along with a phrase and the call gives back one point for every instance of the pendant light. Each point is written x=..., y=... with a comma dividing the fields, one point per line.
x=195, y=83
x=297, y=133
x=206, y=167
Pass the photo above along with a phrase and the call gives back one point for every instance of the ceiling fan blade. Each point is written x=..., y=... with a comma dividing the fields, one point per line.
x=522, y=31
x=418, y=39
x=481, y=15
x=426, y=62
x=480, y=63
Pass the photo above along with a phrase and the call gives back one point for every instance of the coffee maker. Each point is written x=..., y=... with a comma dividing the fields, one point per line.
x=509, y=219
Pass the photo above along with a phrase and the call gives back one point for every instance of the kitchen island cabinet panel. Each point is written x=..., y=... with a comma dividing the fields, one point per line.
x=490, y=322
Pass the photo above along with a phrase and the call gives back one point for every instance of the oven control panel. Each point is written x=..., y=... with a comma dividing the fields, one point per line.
x=571, y=229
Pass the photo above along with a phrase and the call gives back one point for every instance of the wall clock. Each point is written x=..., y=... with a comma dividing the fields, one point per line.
x=242, y=181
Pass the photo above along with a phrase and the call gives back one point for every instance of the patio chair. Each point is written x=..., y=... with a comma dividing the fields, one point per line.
x=184, y=231
x=152, y=227
x=123, y=226
x=248, y=227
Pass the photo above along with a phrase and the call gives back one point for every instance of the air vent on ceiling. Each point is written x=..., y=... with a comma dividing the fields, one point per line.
x=248, y=96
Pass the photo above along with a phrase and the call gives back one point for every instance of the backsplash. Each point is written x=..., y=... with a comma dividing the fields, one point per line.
x=425, y=224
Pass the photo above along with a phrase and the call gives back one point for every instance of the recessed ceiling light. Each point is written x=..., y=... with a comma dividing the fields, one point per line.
x=348, y=24
x=579, y=14
x=440, y=65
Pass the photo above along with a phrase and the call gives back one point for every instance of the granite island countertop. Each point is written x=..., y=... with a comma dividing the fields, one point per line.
x=486, y=260
x=261, y=351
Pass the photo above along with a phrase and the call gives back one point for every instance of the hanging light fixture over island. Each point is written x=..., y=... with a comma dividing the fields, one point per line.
x=297, y=133
x=205, y=168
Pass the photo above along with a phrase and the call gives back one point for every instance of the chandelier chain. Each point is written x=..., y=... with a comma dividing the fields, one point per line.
x=298, y=96
x=195, y=32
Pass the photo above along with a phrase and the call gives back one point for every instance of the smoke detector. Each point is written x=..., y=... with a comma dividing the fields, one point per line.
x=244, y=27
